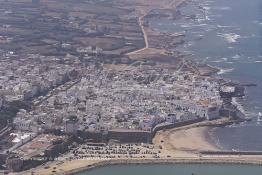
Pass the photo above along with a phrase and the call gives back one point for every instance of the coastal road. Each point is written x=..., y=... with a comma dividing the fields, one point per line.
x=172, y=5
x=141, y=24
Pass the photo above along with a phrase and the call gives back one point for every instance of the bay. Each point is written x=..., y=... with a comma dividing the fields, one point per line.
x=177, y=169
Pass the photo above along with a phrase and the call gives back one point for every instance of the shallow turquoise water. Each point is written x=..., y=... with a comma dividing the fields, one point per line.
x=179, y=169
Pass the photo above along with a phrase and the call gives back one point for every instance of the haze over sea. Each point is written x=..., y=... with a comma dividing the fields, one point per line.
x=227, y=34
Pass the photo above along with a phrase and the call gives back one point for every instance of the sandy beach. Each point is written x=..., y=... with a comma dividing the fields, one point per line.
x=178, y=145
x=187, y=141
x=175, y=144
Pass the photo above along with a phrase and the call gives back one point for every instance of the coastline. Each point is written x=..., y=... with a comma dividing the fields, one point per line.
x=179, y=155
x=192, y=155
x=211, y=138
x=181, y=145
x=185, y=142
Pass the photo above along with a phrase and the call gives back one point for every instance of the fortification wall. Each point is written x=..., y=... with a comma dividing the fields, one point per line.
x=127, y=136
x=132, y=136
x=92, y=136
x=174, y=125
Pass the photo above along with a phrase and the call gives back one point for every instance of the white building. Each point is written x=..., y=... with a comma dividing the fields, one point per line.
x=209, y=112
x=23, y=124
x=212, y=112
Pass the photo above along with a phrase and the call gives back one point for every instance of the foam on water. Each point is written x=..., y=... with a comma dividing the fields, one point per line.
x=223, y=71
x=230, y=37
x=222, y=26
x=232, y=40
x=237, y=56
x=222, y=8
x=216, y=61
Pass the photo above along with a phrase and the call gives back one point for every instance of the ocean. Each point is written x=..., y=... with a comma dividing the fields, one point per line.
x=226, y=34
x=177, y=169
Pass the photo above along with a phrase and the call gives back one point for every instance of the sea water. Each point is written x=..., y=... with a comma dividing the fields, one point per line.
x=227, y=34
x=177, y=169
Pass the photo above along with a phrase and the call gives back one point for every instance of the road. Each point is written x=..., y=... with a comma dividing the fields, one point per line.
x=173, y=4
x=141, y=24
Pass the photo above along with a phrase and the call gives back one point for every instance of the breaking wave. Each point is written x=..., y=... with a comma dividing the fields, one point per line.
x=230, y=37
x=223, y=71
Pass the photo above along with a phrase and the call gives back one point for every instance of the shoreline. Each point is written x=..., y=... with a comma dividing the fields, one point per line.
x=161, y=162
x=211, y=139
x=194, y=159
x=197, y=134
x=181, y=141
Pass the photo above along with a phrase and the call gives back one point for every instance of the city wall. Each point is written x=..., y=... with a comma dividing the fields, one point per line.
x=132, y=136
x=127, y=136
x=124, y=136
x=174, y=125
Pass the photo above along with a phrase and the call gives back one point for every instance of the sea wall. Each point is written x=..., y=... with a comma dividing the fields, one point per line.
x=175, y=125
